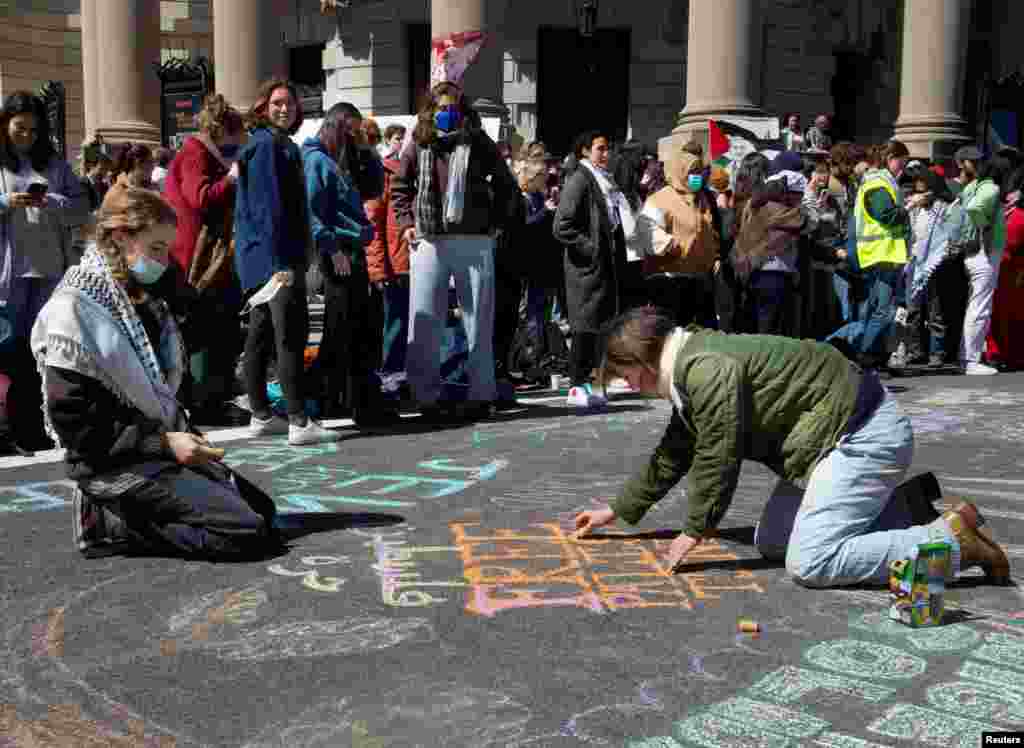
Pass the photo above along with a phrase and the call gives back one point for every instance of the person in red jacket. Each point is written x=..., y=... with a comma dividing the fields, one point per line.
x=200, y=186
x=1006, y=338
x=388, y=262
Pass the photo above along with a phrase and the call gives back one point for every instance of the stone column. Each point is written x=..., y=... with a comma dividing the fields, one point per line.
x=722, y=47
x=90, y=68
x=247, y=48
x=935, y=34
x=128, y=32
x=485, y=80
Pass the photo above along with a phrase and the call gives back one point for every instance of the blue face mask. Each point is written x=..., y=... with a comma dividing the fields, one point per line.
x=147, y=271
x=447, y=120
x=230, y=152
x=695, y=182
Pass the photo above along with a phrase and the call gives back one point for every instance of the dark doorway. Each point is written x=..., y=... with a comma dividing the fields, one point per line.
x=306, y=64
x=418, y=44
x=583, y=84
x=853, y=70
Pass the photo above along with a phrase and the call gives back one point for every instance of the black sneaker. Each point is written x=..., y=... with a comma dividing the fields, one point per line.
x=98, y=531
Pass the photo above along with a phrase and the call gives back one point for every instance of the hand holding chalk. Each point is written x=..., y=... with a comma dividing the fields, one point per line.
x=678, y=551
x=587, y=522
x=189, y=449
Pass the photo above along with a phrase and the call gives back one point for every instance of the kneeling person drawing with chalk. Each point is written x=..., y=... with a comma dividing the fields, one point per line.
x=800, y=408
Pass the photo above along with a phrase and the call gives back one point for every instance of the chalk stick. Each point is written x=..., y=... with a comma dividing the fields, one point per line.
x=746, y=626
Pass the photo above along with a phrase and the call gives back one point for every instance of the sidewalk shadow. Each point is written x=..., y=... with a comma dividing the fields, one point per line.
x=416, y=425
x=295, y=525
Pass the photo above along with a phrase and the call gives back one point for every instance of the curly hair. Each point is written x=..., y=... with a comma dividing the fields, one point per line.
x=257, y=115
x=128, y=157
x=131, y=210
x=218, y=118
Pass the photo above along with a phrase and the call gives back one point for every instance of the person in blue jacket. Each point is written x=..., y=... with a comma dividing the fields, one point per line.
x=272, y=243
x=343, y=372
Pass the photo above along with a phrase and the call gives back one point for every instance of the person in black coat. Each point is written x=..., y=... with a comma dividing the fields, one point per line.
x=595, y=260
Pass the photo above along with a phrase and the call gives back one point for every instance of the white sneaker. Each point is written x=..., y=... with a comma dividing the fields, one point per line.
x=311, y=433
x=271, y=427
x=978, y=369
x=582, y=396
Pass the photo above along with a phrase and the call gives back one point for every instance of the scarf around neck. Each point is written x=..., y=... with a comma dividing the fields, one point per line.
x=619, y=211
x=453, y=204
x=90, y=326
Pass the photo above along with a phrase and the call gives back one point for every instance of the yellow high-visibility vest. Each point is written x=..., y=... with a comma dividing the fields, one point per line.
x=877, y=243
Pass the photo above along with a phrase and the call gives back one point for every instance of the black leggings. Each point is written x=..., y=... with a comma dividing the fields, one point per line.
x=282, y=324
x=583, y=356
x=350, y=348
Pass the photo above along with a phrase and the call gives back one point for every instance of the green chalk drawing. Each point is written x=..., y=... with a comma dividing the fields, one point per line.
x=33, y=497
x=395, y=483
x=789, y=684
x=479, y=472
x=915, y=723
x=951, y=638
x=662, y=741
x=712, y=731
x=993, y=677
x=771, y=717
x=315, y=503
x=944, y=639
x=835, y=740
x=272, y=457
x=1005, y=706
x=1003, y=649
x=862, y=659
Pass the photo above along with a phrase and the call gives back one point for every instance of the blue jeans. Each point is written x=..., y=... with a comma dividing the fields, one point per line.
x=435, y=259
x=867, y=334
x=396, y=325
x=835, y=541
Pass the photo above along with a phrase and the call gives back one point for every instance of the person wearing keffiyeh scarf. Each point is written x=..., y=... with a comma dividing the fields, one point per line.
x=111, y=359
x=451, y=194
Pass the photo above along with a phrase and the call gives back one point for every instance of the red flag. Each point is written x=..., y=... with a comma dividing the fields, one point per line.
x=719, y=141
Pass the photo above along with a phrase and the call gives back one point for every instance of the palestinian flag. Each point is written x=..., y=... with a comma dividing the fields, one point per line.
x=730, y=142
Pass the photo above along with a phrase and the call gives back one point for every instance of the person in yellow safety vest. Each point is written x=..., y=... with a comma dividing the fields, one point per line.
x=877, y=249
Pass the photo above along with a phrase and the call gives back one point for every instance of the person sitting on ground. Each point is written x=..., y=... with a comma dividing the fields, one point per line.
x=112, y=361
x=800, y=408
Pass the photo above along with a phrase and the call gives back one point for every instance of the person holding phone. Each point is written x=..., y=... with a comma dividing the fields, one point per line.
x=41, y=200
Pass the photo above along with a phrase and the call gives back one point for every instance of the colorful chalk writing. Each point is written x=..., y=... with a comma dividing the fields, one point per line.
x=987, y=691
x=35, y=497
x=910, y=722
x=545, y=566
x=274, y=456
x=863, y=659
x=400, y=584
x=311, y=578
x=315, y=487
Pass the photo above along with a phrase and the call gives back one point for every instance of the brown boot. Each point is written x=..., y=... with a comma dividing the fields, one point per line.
x=977, y=547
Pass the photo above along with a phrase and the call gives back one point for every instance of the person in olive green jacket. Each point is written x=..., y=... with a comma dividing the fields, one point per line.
x=803, y=410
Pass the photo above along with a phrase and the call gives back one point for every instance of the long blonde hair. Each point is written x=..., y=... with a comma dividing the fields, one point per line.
x=131, y=210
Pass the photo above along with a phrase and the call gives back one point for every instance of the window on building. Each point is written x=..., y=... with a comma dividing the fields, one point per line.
x=418, y=44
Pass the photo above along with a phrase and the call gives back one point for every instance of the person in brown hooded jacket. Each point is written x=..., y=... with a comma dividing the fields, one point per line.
x=680, y=233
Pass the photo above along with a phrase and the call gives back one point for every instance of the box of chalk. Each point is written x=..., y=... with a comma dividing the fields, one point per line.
x=918, y=586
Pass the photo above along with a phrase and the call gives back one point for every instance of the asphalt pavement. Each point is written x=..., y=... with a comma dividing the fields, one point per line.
x=445, y=603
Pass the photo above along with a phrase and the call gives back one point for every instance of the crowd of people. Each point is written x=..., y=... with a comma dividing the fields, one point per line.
x=141, y=296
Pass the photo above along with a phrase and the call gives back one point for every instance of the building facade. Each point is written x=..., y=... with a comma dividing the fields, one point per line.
x=653, y=71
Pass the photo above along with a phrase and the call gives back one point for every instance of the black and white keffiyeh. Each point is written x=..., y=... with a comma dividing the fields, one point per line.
x=90, y=326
